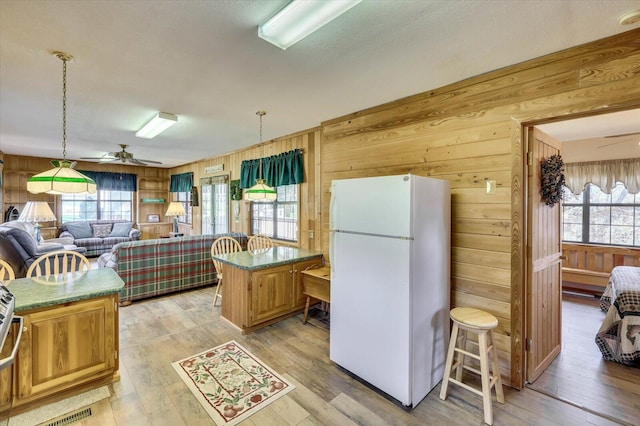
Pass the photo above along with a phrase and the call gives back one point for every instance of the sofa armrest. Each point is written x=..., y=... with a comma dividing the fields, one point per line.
x=48, y=247
x=66, y=234
x=134, y=234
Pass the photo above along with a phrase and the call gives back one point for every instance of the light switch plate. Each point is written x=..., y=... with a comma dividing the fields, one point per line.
x=491, y=187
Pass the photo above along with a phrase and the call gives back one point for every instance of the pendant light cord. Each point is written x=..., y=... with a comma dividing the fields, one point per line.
x=261, y=114
x=64, y=108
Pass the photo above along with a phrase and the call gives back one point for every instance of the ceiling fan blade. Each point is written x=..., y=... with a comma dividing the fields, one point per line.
x=148, y=161
x=91, y=158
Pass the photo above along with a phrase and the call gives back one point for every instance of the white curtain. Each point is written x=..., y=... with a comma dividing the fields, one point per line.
x=605, y=174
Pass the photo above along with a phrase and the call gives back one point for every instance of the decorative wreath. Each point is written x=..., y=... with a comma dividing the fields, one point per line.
x=551, y=179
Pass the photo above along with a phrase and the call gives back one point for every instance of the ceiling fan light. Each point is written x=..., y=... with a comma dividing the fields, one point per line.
x=62, y=179
x=158, y=124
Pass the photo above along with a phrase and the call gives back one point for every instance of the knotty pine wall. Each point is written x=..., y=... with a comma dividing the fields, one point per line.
x=309, y=195
x=470, y=132
x=25, y=166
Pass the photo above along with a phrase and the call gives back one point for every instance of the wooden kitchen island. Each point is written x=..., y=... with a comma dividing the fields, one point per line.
x=70, y=337
x=264, y=286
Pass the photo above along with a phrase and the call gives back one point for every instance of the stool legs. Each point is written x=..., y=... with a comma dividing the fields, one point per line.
x=447, y=366
x=488, y=357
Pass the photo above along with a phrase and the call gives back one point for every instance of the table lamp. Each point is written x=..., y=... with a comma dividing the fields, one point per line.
x=175, y=209
x=37, y=211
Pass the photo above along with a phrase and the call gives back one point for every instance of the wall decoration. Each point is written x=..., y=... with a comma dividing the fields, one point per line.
x=551, y=179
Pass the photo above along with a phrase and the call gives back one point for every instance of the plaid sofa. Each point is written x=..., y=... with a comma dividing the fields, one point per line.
x=98, y=245
x=154, y=267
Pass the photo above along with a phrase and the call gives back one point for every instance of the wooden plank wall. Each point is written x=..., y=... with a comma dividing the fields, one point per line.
x=24, y=164
x=471, y=132
x=309, y=195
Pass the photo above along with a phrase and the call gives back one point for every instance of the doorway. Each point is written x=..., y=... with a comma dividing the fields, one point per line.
x=562, y=370
x=215, y=204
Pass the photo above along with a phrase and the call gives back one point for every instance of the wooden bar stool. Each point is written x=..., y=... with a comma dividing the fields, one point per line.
x=481, y=323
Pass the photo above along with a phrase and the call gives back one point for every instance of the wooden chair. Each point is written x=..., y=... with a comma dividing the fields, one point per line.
x=6, y=272
x=58, y=262
x=259, y=242
x=222, y=245
x=481, y=323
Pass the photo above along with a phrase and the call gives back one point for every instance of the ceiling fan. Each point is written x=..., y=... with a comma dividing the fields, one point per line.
x=124, y=156
x=625, y=138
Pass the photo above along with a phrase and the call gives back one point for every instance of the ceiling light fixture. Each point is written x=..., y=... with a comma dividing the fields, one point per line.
x=261, y=191
x=300, y=18
x=630, y=17
x=158, y=124
x=62, y=179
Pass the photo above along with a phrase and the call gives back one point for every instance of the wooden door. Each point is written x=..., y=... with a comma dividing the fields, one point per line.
x=272, y=293
x=544, y=285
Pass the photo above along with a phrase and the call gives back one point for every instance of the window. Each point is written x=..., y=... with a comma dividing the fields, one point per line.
x=185, y=199
x=598, y=218
x=278, y=220
x=101, y=205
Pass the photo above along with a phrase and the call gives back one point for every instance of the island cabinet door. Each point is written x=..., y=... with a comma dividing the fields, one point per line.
x=271, y=293
x=299, y=299
x=64, y=346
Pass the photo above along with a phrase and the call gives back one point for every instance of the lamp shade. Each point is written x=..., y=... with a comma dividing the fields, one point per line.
x=261, y=192
x=175, y=209
x=62, y=179
x=37, y=211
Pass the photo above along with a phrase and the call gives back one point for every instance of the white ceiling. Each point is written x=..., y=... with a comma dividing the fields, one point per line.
x=203, y=61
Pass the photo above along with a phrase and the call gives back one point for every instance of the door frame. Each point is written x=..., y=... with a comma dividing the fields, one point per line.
x=520, y=259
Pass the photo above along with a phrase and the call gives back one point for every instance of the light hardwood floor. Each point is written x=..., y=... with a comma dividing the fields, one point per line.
x=156, y=332
x=581, y=376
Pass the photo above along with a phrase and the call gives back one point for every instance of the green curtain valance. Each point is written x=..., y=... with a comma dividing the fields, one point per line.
x=110, y=181
x=181, y=183
x=277, y=170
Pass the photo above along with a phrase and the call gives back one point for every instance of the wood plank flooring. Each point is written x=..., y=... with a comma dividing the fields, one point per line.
x=156, y=332
x=581, y=376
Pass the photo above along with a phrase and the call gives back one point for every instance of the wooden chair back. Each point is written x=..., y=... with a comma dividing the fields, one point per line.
x=6, y=272
x=223, y=245
x=58, y=262
x=259, y=242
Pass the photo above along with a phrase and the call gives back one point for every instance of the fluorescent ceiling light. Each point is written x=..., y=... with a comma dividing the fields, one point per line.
x=158, y=124
x=300, y=18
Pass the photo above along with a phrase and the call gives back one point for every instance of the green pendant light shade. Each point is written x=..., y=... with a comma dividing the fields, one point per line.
x=261, y=191
x=62, y=179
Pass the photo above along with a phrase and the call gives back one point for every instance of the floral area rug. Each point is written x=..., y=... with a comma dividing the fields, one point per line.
x=231, y=383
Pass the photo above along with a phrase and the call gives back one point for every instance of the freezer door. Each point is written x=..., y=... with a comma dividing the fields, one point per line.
x=370, y=310
x=379, y=205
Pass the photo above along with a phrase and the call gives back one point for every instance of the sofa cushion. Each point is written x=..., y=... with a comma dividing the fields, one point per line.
x=121, y=229
x=79, y=230
x=101, y=230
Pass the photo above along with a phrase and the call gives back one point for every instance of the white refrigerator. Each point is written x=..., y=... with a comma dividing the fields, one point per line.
x=389, y=254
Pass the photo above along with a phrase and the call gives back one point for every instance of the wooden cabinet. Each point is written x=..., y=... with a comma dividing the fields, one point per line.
x=152, y=231
x=256, y=298
x=66, y=346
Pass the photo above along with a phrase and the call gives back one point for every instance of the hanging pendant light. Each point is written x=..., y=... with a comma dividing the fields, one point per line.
x=261, y=191
x=62, y=179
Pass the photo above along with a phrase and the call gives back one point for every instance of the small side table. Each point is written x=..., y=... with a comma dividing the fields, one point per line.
x=316, y=283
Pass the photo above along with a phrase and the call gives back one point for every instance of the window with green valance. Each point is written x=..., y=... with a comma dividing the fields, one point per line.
x=109, y=181
x=277, y=170
x=181, y=183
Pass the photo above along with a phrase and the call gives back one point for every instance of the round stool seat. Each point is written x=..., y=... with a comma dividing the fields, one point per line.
x=471, y=317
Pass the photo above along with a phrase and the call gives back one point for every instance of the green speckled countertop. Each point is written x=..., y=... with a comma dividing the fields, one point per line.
x=40, y=292
x=275, y=256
